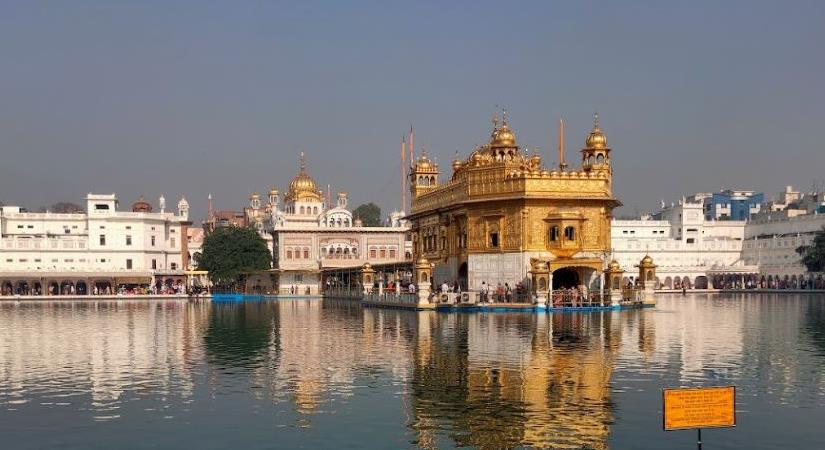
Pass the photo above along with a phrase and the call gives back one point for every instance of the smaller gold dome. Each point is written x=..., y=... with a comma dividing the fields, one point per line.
x=596, y=139
x=273, y=191
x=614, y=266
x=423, y=163
x=647, y=260
x=254, y=196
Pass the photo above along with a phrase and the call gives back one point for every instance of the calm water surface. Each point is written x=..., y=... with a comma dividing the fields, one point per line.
x=327, y=374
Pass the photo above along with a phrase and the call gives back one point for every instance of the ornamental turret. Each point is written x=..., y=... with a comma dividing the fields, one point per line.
x=596, y=153
x=423, y=176
x=183, y=209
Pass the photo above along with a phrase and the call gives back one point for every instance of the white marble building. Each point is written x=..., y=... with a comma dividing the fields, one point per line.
x=695, y=252
x=688, y=249
x=771, y=244
x=308, y=233
x=96, y=251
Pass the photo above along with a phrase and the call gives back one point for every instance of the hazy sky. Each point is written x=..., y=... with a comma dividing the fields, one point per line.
x=198, y=97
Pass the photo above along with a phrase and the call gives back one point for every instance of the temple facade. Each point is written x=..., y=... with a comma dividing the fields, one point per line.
x=501, y=211
x=308, y=232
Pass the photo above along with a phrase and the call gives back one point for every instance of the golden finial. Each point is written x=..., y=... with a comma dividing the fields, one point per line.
x=301, y=162
x=596, y=120
x=504, y=116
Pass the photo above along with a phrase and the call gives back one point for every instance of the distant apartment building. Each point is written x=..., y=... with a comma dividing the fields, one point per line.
x=732, y=205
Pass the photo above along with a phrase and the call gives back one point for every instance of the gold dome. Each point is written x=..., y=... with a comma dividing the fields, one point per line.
x=647, y=260
x=503, y=137
x=424, y=163
x=614, y=266
x=596, y=138
x=303, y=187
x=273, y=191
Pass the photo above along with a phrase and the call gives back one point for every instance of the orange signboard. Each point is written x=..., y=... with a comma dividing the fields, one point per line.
x=699, y=407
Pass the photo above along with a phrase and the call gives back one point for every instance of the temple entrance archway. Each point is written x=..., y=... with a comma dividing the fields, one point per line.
x=462, y=276
x=566, y=278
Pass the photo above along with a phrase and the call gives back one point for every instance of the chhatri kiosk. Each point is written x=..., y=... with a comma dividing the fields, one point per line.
x=502, y=217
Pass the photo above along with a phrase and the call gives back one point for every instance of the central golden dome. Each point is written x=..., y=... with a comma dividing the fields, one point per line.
x=303, y=187
x=503, y=137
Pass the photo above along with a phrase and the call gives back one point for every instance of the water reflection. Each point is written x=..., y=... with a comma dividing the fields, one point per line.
x=298, y=372
x=500, y=381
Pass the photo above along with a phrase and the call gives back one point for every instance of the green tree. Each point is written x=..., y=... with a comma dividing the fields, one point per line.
x=369, y=213
x=813, y=256
x=231, y=252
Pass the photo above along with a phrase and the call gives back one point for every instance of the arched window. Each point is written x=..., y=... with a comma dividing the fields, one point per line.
x=569, y=233
x=392, y=253
x=383, y=253
x=554, y=233
x=600, y=159
x=289, y=254
x=372, y=253
x=314, y=210
x=306, y=253
x=303, y=211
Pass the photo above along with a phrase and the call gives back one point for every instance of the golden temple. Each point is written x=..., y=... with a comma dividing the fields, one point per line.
x=502, y=212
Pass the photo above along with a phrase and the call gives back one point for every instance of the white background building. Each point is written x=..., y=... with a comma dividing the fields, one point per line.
x=42, y=253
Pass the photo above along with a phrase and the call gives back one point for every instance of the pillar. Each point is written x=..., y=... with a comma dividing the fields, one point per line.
x=367, y=278
x=647, y=275
x=541, y=279
x=423, y=269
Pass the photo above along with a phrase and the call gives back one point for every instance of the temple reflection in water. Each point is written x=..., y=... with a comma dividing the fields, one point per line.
x=484, y=380
x=499, y=381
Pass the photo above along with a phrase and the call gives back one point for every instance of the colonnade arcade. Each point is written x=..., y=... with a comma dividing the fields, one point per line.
x=85, y=285
x=56, y=286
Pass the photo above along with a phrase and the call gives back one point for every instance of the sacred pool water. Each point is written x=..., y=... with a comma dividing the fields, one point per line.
x=323, y=374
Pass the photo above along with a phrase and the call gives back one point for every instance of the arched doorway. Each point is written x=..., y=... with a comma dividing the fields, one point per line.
x=67, y=288
x=22, y=288
x=81, y=288
x=565, y=278
x=462, y=276
x=701, y=282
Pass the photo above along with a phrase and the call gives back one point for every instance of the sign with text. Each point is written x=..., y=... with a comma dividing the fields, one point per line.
x=711, y=407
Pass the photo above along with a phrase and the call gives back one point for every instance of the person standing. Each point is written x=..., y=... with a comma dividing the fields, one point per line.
x=484, y=291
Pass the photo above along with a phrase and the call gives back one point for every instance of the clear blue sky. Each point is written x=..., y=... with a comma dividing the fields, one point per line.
x=197, y=97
